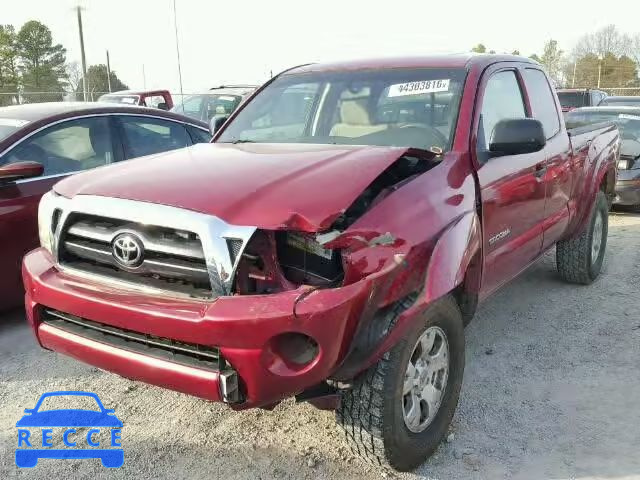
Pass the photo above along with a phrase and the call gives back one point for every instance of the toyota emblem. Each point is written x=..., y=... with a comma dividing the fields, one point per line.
x=128, y=250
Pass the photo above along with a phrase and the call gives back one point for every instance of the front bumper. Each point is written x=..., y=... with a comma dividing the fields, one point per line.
x=243, y=328
x=628, y=187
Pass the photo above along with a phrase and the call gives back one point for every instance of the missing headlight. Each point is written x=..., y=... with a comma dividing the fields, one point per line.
x=305, y=261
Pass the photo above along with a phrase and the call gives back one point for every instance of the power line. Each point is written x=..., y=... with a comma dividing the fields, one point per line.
x=175, y=26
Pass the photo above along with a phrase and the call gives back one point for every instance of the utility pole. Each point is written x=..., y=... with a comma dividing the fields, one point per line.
x=84, y=61
x=175, y=27
x=575, y=66
x=108, y=72
x=144, y=78
x=599, y=69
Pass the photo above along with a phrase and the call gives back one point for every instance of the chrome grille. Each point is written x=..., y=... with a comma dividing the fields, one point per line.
x=173, y=259
x=187, y=240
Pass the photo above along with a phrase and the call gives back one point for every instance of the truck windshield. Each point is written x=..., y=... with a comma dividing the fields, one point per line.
x=392, y=107
x=572, y=99
x=213, y=104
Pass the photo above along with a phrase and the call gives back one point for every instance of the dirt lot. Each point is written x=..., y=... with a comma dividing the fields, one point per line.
x=551, y=391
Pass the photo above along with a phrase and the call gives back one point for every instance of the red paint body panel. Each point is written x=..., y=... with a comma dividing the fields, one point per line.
x=443, y=226
x=266, y=185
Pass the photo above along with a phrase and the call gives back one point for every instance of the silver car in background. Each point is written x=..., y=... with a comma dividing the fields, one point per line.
x=215, y=102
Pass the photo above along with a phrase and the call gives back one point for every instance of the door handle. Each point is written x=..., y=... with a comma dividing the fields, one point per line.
x=541, y=169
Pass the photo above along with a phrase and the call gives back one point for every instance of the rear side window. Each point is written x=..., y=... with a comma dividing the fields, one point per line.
x=502, y=100
x=146, y=136
x=199, y=136
x=543, y=103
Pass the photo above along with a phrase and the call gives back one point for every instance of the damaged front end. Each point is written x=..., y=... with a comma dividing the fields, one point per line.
x=386, y=270
x=279, y=260
x=299, y=300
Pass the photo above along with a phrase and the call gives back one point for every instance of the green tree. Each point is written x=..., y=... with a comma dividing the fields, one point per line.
x=552, y=60
x=97, y=83
x=42, y=62
x=9, y=80
x=479, y=48
x=614, y=71
x=515, y=52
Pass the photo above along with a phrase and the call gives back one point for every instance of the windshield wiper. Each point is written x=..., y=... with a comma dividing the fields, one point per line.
x=242, y=141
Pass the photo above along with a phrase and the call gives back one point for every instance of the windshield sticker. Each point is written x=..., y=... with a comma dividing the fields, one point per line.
x=417, y=88
x=11, y=122
x=626, y=116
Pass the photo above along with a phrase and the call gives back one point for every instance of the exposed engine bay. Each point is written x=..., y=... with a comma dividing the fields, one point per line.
x=275, y=261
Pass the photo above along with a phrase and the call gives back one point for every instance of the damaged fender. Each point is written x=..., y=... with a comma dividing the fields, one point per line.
x=450, y=266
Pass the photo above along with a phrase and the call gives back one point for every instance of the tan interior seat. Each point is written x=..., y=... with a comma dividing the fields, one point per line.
x=355, y=120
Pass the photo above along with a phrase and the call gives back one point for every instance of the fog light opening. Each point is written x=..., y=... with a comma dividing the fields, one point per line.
x=295, y=349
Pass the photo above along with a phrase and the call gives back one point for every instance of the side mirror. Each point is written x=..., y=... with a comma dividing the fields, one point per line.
x=162, y=106
x=516, y=136
x=216, y=122
x=19, y=170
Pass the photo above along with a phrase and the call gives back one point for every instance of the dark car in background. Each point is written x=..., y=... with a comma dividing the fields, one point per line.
x=621, y=101
x=628, y=121
x=218, y=101
x=571, y=98
x=160, y=99
x=41, y=143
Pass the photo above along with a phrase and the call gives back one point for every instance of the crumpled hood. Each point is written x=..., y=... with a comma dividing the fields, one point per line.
x=272, y=186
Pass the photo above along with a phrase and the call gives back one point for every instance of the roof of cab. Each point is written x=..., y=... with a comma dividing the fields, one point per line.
x=463, y=60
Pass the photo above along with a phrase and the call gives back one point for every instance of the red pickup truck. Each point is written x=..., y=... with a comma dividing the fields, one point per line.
x=330, y=244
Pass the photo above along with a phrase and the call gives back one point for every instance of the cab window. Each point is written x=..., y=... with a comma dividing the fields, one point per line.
x=544, y=108
x=502, y=100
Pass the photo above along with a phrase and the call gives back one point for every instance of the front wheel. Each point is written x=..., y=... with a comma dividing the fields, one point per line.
x=399, y=410
x=579, y=260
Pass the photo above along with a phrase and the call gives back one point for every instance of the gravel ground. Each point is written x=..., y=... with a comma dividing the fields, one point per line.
x=551, y=391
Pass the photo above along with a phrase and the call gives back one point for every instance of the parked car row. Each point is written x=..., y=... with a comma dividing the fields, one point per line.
x=571, y=98
x=330, y=243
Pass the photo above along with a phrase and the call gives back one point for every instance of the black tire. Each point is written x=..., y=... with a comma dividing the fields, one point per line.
x=574, y=256
x=371, y=413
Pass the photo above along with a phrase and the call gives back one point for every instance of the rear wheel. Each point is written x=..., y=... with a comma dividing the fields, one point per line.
x=399, y=410
x=579, y=260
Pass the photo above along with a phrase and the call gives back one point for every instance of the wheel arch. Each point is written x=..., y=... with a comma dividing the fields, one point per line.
x=454, y=269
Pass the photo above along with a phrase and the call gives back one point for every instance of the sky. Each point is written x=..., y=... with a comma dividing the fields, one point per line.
x=243, y=42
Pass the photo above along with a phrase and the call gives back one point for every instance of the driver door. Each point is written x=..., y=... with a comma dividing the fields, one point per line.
x=512, y=193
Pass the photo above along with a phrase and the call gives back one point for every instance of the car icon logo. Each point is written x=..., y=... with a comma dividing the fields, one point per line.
x=97, y=422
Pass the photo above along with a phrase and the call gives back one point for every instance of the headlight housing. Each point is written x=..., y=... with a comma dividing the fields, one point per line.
x=48, y=215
